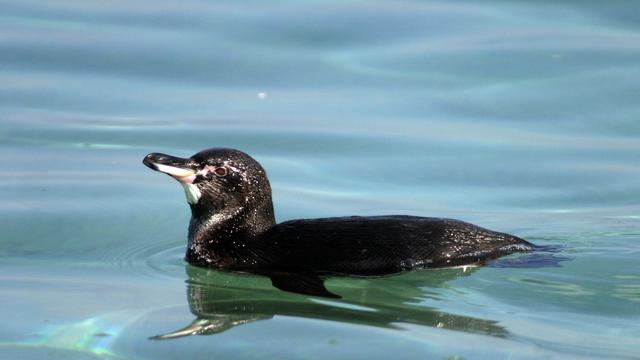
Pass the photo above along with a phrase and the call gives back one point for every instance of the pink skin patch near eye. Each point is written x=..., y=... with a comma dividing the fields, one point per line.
x=188, y=177
x=205, y=171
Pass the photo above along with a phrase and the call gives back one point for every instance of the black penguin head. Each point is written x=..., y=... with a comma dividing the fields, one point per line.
x=218, y=182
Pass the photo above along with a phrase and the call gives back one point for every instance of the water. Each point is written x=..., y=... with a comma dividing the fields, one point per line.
x=518, y=116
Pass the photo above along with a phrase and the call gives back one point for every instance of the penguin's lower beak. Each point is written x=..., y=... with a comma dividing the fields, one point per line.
x=183, y=170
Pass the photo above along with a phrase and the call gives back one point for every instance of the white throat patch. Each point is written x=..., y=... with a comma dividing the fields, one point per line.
x=192, y=192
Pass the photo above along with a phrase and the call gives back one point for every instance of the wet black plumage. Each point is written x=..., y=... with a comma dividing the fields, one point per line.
x=379, y=245
x=233, y=227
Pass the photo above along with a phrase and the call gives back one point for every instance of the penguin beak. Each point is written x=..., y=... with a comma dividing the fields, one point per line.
x=180, y=169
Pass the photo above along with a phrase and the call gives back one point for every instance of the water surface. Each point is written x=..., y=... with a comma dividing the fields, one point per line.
x=518, y=116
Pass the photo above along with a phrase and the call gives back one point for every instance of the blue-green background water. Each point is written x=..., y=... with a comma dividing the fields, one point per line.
x=520, y=116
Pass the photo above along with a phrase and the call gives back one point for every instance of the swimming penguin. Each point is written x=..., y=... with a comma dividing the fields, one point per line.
x=233, y=227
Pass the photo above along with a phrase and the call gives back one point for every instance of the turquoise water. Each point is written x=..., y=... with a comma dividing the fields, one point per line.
x=518, y=116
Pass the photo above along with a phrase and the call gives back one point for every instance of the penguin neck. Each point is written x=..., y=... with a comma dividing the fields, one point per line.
x=223, y=238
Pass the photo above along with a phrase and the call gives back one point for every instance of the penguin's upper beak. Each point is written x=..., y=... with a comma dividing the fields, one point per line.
x=183, y=170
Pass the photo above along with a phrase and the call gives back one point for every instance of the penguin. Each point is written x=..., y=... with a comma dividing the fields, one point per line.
x=233, y=228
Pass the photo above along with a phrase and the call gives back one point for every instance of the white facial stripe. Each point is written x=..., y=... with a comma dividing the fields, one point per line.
x=174, y=171
x=192, y=192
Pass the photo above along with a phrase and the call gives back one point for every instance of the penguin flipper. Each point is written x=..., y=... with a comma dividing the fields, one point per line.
x=305, y=284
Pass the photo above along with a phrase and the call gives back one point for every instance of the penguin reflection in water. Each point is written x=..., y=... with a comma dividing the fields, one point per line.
x=387, y=302
x=233, y=228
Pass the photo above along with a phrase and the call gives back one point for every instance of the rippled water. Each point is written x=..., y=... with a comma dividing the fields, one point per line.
x=518, y=116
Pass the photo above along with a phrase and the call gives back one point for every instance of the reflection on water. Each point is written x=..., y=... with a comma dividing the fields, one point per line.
x=393, y=301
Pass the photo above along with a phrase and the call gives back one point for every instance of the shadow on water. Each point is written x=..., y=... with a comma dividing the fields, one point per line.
x=384, y=302
x=543, y=256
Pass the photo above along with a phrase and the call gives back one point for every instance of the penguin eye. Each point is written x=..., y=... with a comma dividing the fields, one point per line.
x=220, y=171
